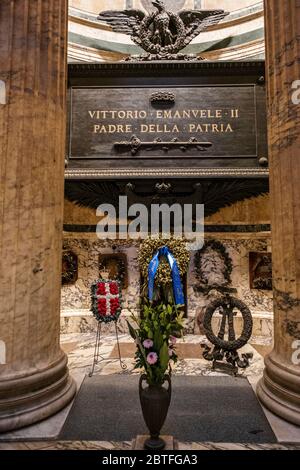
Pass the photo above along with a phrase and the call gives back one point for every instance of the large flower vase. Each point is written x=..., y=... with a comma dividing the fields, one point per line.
x=155, y=402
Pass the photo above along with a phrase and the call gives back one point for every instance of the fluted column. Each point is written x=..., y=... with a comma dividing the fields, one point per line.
x=34, y=379
x=279, y=390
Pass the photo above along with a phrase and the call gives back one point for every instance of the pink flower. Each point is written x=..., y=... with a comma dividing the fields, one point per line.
x=173, y=339
x=148, y=344
x=152, y=358
x=171, y=352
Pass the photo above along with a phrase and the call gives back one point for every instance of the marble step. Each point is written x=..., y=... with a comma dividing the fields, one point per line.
x=82, y=321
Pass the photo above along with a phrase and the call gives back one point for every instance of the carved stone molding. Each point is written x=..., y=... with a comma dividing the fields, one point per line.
x=77, y=174
x=218, y=68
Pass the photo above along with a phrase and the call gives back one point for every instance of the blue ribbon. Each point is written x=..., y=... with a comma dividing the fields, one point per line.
x=152, y=270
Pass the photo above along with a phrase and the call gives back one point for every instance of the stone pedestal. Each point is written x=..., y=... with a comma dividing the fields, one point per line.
x=34, y=379
x=279, y=390
x=139, y=443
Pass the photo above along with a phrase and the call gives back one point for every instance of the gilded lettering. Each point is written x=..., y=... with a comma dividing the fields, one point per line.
x=113, y=129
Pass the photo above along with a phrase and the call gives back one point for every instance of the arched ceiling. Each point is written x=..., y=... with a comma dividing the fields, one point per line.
x=95, y=6
x=240, y=36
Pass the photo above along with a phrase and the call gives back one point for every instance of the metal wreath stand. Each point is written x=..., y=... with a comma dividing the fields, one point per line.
x=105, y=319
x=222, y=349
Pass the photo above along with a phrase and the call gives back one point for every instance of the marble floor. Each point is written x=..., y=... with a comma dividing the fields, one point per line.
x=105, y=446
x=80, y=349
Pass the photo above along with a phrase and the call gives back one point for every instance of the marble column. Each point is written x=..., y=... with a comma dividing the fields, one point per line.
x=34, y=378
x=279, y=390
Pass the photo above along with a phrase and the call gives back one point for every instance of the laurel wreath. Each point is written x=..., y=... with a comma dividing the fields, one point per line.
x=145, y=35
x=164, y=274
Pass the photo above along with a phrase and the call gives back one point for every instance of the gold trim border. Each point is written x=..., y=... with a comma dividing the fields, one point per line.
x=166, y=173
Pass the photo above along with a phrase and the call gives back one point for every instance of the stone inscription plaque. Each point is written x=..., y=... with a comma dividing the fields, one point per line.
x=173, y=122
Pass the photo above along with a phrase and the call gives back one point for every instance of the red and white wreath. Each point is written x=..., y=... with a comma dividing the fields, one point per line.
x=106, y=300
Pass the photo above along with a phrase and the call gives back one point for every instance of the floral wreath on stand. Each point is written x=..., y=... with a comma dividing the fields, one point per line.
x=106, y=300
x=163, y=272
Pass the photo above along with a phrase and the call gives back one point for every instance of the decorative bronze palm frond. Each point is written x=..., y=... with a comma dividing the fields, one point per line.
x=92, y=194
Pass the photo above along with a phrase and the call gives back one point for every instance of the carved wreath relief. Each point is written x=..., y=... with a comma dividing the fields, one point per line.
x=213, y=266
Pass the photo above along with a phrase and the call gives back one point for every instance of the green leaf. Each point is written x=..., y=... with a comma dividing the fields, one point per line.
x=157, y=340
x=150, y=334
x=164, y=356
x=132, y=331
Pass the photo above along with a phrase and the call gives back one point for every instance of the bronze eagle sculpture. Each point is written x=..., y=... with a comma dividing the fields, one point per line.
x=162, y=33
